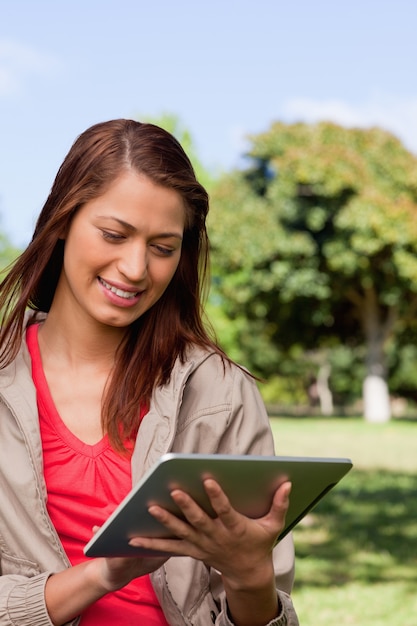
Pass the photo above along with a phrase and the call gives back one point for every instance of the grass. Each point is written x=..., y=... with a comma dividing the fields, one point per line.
x=356, y=556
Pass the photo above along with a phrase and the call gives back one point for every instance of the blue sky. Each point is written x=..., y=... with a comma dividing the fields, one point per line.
x=227, y=68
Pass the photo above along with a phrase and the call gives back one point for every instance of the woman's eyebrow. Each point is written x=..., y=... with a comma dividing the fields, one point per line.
x=131, y=228
x=113, y=218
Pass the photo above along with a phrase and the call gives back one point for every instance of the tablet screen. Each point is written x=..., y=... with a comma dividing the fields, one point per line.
x=249, y=482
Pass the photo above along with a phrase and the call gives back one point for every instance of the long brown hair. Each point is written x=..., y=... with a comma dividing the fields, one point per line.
x=153, y=342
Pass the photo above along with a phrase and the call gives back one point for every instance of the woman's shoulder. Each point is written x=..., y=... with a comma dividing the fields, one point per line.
x=213, y=367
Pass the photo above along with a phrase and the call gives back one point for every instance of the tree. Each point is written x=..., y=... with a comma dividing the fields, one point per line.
x=8, y=252
x=316, y=245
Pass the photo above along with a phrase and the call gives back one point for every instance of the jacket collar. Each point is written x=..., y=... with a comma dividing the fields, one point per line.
x=18, y=393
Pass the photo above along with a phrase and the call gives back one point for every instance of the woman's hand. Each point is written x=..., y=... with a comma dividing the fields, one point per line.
x=231, y=542
x=119, y=571
x=237, y=546
x=70, y=592
x=116, y=572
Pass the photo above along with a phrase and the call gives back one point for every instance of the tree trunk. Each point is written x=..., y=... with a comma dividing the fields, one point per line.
x=323, y=390
x=376, y=400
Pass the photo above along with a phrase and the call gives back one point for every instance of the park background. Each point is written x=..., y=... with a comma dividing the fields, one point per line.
x=301, y=119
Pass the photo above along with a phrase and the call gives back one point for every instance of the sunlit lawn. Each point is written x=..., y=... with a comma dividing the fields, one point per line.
x=357, y=552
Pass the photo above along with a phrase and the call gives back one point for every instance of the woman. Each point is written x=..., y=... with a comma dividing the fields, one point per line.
x=111, y=368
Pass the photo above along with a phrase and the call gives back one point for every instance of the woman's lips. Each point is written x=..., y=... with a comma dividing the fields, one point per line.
x=128, y=295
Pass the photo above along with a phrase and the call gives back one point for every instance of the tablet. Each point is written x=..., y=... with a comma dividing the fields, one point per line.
x=249, y=482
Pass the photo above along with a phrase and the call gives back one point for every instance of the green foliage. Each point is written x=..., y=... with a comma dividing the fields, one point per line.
x=284, y=391
x=8, y=252
x=347, y=373
x=402, y=360
x=353, y=193
x=315, y=244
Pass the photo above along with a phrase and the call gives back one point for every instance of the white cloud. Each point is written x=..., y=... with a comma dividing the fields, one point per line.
x=18, y=60
x=395, y=114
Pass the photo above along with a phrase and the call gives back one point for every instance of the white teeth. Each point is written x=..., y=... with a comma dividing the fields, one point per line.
x=119, y=292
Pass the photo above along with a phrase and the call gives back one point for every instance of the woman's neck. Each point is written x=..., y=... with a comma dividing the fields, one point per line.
x=78, y=343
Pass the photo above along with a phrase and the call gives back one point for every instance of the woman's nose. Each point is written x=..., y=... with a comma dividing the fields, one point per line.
x=133, y=263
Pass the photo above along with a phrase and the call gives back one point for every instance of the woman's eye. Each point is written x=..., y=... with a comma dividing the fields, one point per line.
x=110, y=236
x=162, y=250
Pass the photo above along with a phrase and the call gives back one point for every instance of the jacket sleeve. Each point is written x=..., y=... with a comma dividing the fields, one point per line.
x=223, y=412
x=22, y=601
x=249, y=426
x=287, y=617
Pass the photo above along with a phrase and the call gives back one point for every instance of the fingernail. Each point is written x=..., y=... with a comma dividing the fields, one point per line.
x=135, y=543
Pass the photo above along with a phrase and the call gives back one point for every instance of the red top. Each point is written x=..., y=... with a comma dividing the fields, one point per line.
x=85, y=483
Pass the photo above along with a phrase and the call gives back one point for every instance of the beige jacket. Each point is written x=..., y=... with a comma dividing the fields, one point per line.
x=205, y=408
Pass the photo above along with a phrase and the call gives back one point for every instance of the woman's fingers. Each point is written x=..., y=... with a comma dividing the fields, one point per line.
x=221, y=504
x=198, y=528
x=193, y=513
x=178, y=527
x=280, y=502
x=197, y=518
x=201, y=536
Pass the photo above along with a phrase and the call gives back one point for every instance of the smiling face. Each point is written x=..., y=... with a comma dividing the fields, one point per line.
x=121, y=252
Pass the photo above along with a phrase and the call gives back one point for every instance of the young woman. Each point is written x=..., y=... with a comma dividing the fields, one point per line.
x=105, y=366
